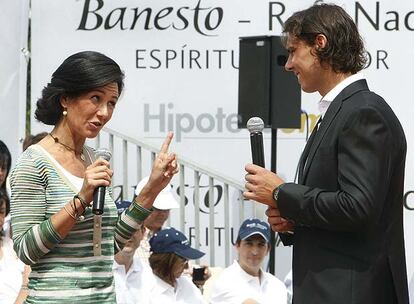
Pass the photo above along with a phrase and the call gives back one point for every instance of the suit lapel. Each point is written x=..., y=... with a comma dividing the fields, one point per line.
x=305, y=153
x=330, y=114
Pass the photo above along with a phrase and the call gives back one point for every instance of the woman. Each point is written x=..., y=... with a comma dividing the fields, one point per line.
x=53, y=183
x=5, y=164
x=169, y=258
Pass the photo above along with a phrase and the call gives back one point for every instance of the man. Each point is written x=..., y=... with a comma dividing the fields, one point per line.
x=133, y=278
x=164, y=202
x=244, y=281
x=345, y=216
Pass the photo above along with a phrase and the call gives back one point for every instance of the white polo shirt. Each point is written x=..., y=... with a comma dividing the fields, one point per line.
x=184, y=293
x=134, y=286
x=235, y=286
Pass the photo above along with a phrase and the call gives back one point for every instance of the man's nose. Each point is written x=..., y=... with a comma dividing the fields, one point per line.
x=254, y=251
x=288, y=64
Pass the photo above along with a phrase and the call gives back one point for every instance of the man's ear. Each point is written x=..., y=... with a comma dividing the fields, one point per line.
x=237, y=246
x=321, y=41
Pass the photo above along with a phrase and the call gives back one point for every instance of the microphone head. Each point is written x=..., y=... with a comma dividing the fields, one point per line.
x=255, y=124
x=103, y=153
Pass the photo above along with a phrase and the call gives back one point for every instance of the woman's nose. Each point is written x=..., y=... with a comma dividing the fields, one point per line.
x=103, y=110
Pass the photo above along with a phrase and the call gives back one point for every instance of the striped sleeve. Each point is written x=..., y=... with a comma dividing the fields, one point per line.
x=33, y=234
x=128, y=222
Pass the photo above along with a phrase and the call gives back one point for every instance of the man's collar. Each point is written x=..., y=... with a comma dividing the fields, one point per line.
x=326, y=100
x=249, y=277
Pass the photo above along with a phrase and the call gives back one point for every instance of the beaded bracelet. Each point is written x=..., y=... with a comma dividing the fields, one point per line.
x=82, y=201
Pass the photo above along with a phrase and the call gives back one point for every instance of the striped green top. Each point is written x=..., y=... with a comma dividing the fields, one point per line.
x=63, y=270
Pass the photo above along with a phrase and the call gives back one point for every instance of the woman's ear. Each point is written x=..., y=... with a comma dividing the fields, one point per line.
x=64, y=100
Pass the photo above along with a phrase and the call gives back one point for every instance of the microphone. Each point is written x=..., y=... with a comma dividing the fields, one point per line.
x=255, y=126
x=99, y=192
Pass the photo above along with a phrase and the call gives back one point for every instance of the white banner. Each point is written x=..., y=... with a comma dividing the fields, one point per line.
x=181, y=57
x=13, y=36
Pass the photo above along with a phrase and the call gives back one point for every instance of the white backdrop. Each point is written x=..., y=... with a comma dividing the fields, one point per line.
x=180, y=59
x=13, y=38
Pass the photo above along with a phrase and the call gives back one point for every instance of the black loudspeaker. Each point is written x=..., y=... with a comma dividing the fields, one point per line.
x=266, y=89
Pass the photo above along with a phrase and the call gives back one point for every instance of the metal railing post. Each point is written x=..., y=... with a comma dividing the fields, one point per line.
x=211, y=219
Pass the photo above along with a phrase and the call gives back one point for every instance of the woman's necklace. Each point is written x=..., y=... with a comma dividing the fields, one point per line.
x=80, y=153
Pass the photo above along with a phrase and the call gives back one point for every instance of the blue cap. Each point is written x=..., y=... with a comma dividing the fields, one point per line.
x=122, y=205
x=170, y=240
x=254, y=226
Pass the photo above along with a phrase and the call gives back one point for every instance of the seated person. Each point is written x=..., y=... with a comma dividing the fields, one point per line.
x=244, y=281
x=170, y=254
x=289, y=286
x=13, y=273
x=133, y=279
x=5, y=164
x=164, y=202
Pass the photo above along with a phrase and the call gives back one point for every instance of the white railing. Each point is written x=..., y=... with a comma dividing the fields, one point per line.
x=132, y=160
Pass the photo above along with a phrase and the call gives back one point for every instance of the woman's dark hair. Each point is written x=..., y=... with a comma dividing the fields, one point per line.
x=78, y=74
x=344, y=51
x=5, y=161
x=163, y=265
x=4, y=198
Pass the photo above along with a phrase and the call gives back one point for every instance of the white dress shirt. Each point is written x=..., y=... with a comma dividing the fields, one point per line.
x=184, y=293
x=235, y=286
x=134, y=286
x=326, y=100
x=11, y=273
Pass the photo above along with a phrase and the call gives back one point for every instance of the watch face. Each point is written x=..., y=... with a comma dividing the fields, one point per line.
x=276, y=193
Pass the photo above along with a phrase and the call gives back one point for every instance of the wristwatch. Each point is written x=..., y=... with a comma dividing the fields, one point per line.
x=276, y=192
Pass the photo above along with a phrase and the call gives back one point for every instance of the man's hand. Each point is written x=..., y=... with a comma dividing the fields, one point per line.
x=277, y=222
x=260, y=184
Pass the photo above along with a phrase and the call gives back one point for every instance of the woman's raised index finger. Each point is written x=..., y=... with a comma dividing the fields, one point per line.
x=166, y=144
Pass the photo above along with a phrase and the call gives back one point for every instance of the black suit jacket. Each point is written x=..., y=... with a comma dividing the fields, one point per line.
x=348, y=243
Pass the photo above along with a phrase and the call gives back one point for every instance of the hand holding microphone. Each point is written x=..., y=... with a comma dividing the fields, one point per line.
x=255, y=126
x=260, y=182
x=99, y=192
x=97, y=177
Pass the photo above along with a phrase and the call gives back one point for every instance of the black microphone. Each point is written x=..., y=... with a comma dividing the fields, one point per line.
x=99, y=192
x=255, y=126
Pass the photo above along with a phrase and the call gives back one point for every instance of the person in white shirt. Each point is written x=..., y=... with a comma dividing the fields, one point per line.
x=164, y=202
x=170, y=254
x=289, y=286
x=13, y=273
x=133, y=279
x=244, y=281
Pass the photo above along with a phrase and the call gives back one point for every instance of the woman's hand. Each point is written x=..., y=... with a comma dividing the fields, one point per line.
x=97, y=174
x=163, y=169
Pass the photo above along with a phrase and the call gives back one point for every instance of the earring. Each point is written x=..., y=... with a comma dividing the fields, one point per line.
x=65, y=112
